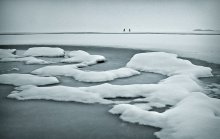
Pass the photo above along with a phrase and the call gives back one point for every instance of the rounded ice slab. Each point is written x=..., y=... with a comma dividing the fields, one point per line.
x=44, y=51
x=57, y=93
x=85, y=76
x=26, y=79
x=83, y=57
x=167, y=64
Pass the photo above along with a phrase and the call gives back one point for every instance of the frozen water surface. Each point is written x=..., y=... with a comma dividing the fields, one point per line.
x=59, y=116
x=48, y=119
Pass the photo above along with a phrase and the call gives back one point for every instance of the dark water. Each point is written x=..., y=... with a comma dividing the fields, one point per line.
x=49, y=119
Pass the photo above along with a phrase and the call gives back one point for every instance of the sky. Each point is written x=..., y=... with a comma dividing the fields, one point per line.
x=108, y=15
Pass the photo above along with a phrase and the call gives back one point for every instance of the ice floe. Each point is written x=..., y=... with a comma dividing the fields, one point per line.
x=85, y=76
x=26, y=60
x=167, y=64
x=83, y=57
x=44, y=51
x=196, y=117
x=26, y=79
x=57, y=93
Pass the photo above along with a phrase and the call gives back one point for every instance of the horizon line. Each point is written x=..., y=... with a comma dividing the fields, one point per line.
x=147, y=32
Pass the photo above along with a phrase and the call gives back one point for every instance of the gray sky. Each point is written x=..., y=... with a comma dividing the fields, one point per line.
x=108, y=15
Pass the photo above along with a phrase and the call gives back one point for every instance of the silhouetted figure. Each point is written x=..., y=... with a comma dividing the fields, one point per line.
x=129, y=30
x=124, y=30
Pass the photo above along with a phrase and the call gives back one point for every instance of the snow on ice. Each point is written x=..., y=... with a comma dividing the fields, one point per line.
x=83, y=57
x=193, y=114
x=26, y=79
x=196, y=117
x=85, y=76
x=57, y=93
x=167, y=92
x=26, y=60
x=167, y=64
x=44, y=51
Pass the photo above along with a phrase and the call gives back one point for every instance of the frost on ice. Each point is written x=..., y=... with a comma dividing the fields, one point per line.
x=167, y=64
x=44, y=51
x=26, y=60
x=83, y=57
x=26, y=79
x=85, y=76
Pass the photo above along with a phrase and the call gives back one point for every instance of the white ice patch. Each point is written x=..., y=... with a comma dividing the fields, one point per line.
x=85, y=76
x=77, y=53
x=83, y=57
x=44, y=51
x=5, y=53
x=26, y=79
x=167, y=64
x=57, y=93
x=196, y=117
x=27, y=60
x=167, y=92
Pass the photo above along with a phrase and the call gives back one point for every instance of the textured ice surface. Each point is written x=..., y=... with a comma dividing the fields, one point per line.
x=44, y=51
x=26, y=79
x=83, y=57
x=167, y=64
x=27, y=60
x=57, y=93
x=196, y=117
x=85, y=76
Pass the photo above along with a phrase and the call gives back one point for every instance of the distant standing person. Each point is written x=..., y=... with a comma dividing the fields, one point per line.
x=129, y=30
x=124, y=30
